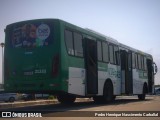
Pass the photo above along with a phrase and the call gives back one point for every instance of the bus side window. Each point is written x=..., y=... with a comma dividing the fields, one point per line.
x=111, y=54
x=139, y=62
x=105, y=52
x=142, y=61
x=99, y=50
x=78, y=44
x=129, y=60
x=116, y=55
x=69, y=42
x=145, y=64
x=133, y=60
x=136, y=61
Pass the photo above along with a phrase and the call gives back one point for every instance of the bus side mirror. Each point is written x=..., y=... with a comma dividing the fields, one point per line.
x=155, y=68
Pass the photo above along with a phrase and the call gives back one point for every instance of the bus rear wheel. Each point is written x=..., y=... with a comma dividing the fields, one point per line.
x=66, y=99
x=108, y=92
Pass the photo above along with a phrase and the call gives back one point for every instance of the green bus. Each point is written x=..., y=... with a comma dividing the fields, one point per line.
x=56, y=57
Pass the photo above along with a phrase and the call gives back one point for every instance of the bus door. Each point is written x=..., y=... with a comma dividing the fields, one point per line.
x=150, y=75
x=90, y=58
x=126, y=72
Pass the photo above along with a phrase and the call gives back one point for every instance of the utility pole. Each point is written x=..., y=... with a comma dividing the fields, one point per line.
x=2, y=45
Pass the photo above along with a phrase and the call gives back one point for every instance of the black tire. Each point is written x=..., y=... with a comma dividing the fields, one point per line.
x=143, y=96
x=11, y=99
x=108, y=92
x=66, y=99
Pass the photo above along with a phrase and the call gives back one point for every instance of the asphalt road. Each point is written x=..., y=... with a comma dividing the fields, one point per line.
x=80, y=110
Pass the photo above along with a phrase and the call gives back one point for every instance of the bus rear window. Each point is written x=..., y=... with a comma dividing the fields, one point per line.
x=30, y=35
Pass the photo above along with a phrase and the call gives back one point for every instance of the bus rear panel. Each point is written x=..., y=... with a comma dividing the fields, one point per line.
x=32, y=56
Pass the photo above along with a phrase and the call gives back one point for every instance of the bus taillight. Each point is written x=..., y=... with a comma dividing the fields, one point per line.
x=6, y=70
x=55, y=65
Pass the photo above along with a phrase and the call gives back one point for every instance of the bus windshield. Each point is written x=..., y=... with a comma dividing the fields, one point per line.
x=30, y=35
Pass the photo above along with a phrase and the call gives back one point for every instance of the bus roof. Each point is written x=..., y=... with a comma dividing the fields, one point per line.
x=111, y=40
x=135, y=50
x=100, y=34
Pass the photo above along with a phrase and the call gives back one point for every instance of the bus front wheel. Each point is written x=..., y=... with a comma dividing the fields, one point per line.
x=143, y=95
x=66, y=99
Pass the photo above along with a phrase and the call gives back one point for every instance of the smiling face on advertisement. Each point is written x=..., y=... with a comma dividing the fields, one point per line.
x=42, y=32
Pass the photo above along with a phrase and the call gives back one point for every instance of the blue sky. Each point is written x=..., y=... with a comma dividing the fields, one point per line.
x=135, y=23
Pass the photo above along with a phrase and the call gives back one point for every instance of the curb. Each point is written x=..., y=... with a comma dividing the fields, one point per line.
x=38, y=102
x=27, y=103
